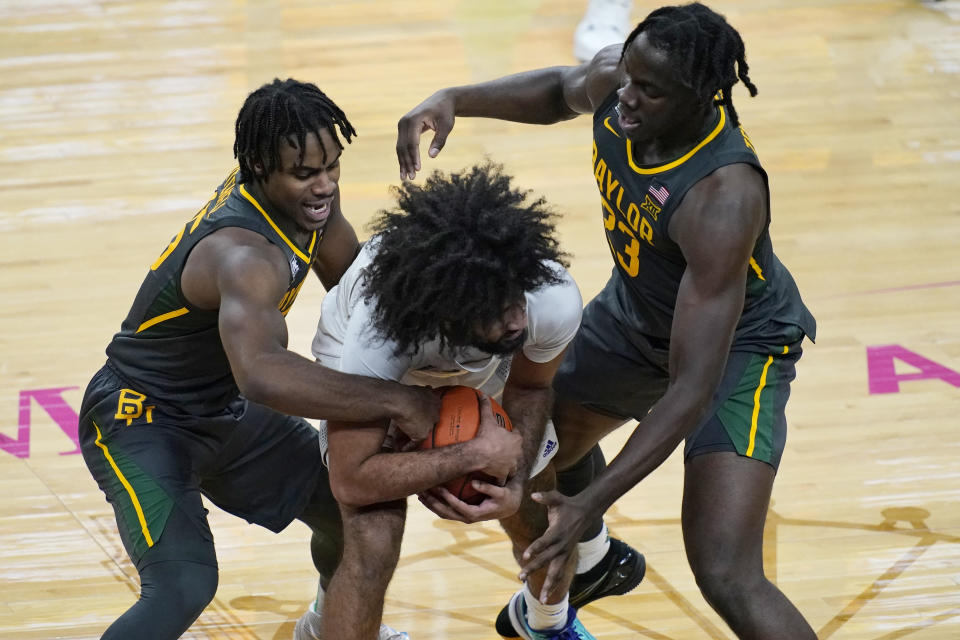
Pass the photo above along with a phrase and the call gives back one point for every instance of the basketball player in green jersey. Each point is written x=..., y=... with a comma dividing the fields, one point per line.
x=695, y=335
x=195, y=394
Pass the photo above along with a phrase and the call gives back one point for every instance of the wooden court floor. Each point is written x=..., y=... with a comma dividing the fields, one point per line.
x=116, y=122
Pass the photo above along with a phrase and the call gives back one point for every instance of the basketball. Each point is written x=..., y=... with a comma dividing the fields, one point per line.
x=459, y=421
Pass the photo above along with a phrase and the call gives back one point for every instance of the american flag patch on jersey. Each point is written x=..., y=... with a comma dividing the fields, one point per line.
x=659, y=192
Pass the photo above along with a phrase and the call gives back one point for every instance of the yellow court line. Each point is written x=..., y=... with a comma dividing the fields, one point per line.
x=126, y=485
x=164, y=316
x=689, y=154
x=756, y=406
x=292, y=246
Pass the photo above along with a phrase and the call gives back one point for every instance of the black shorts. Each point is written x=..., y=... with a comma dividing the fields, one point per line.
x=154, y=463
x=614, y=369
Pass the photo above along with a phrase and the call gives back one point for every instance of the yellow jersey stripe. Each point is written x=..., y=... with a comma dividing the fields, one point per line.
x=606, y=123
x=676, y=163
x=165, y=316
x=300, y=254
x=756, y=269
x=756, y=406
x=126, y=485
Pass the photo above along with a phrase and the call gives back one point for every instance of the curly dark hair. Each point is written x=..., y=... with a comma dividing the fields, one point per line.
x=454, y=254
x=708, y=53
x=284, y=110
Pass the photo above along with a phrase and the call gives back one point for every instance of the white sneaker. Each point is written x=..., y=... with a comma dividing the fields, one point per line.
x=388, y=633
x=308, y=628
x=605, y=22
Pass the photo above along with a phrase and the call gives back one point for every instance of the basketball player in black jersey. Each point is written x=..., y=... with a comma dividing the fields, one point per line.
x=696, y=333
x=196, y=394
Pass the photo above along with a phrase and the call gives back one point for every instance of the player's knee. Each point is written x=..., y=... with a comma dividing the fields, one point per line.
x=372, y=544
x=521, y=534
x=181, y=589
x=530, y=520
x=372, y=562
x=576, y=476
x=722, y=581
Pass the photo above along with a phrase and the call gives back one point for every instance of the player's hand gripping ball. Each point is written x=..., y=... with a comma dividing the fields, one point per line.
x=459, y=422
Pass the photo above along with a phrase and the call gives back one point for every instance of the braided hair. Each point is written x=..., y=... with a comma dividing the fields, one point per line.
x=284, y=110
x=705, y=50
x=454, y=254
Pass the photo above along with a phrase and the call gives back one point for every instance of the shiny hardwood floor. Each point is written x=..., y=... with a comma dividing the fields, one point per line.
x=116, y=121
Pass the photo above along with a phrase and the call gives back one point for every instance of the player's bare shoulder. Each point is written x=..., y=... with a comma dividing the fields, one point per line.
x=225, y=256
x=726, y=207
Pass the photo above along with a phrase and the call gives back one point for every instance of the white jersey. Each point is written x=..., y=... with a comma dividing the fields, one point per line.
x=347, y=341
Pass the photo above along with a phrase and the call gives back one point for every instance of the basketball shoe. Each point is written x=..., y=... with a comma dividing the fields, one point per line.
x=308, y=628
x=604, y=22
x=512, y=623
x=620, y=571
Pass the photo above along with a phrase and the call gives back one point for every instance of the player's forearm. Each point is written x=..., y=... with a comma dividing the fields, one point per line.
x=292, y=384
x=651, y=443
x=528, y=409
x=533, y=97
x=392, y=476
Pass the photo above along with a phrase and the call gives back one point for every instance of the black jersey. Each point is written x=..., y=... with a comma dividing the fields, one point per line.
x=170, y=350
x=637, y=202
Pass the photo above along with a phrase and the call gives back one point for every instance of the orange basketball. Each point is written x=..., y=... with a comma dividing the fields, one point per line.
x=459, y=421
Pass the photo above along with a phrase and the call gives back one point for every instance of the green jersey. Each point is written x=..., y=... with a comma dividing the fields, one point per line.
x=637, y=203
x=170, y=350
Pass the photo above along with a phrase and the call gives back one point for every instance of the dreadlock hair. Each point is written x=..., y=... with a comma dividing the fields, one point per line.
x=283, y=110
x=704, y=47
x=454, y=254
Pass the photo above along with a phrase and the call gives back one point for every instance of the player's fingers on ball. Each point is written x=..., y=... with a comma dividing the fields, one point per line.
x=489, y=489
x=435, y=504
x=444, y=511
x=442, y=492
x=428, y=501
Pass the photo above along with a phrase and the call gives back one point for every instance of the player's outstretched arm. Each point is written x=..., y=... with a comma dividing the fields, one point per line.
x=542, y=96
x=716, y=228
x=362, y=473
x=244, y=276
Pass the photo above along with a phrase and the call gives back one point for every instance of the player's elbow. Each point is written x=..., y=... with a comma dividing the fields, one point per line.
x=351, y=491
x=253, y=387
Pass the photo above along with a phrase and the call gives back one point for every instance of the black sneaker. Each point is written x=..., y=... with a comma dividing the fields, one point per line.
x=620, y=571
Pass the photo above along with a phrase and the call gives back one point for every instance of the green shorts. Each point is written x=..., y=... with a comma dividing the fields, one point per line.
x=612, y=368
x=154, y=464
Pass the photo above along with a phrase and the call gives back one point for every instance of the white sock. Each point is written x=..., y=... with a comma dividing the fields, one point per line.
x=544, y=617
x=591, y=552
x=317, y=606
